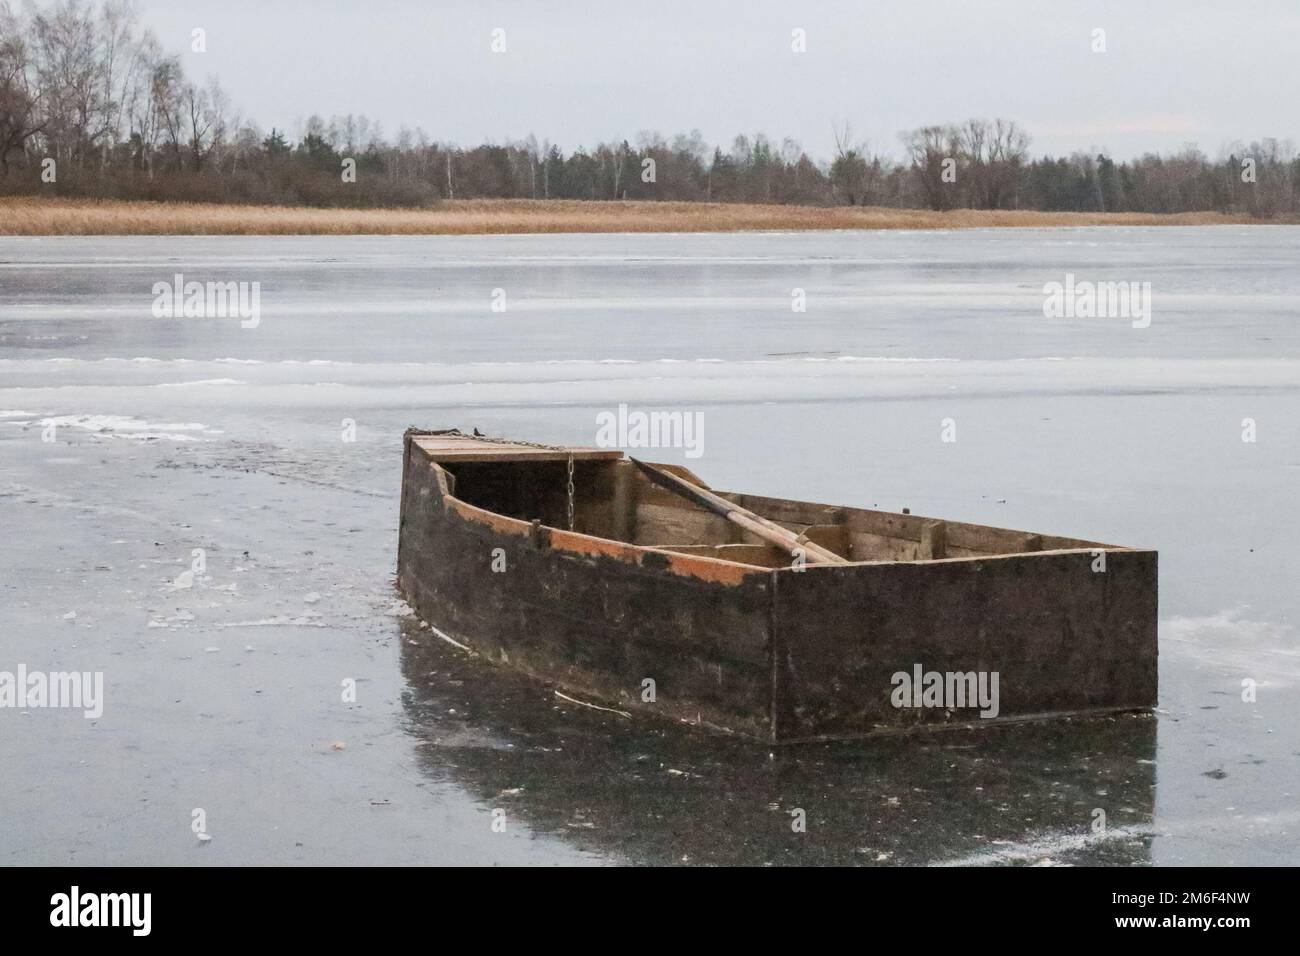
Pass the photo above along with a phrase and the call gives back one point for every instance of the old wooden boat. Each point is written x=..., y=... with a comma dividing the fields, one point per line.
x=638, y=587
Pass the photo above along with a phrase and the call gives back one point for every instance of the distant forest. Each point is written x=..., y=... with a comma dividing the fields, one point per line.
x=84, y=86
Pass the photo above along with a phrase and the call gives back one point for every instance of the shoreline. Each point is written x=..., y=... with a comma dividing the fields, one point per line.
x=27, y=216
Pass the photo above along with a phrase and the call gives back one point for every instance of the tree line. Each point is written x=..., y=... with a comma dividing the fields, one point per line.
x=92, y=106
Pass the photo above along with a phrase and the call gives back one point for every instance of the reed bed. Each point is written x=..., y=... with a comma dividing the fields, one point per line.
x=25, y=216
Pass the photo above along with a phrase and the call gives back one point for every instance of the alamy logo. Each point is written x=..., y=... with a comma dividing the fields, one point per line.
x=1098, y=300
x=103, y=909
x=208, y=300
x=637, y=429
x=75, y=690
x=949, y=690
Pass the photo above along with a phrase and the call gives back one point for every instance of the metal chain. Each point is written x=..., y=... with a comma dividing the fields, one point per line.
x=569, y=487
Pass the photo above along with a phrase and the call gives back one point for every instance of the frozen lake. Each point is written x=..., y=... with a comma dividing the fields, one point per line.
x=223, y=692
x=1220, y=292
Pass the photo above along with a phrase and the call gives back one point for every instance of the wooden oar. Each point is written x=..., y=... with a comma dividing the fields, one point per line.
x=761, y=527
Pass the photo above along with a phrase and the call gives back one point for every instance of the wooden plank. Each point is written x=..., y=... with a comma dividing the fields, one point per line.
x=760, y=555
x=933, y=541
x=755, y=524
x=875, y=547
x=785, y=511
x=763, y=555
x=623, y=506
x=833, y=537
x=464, y=448
x=656, y=524
x=974, y=538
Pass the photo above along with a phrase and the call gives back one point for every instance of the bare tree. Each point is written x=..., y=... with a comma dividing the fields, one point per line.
x=1008, y=145
x=144, y=119
x=120, y=67
x=850, y=171
x=64, y=47
x=167, y=96
x=20, y=114
x=532, y=154
x=205, y=109
x=933, y=151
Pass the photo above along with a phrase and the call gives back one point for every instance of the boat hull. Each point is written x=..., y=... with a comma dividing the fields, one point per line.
x=782, y=654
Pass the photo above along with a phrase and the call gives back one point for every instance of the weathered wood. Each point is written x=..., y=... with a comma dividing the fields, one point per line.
x=736, y=638
x=596, y=626
x=903, y=528
x=791, y=512
x=623, y=511
x=1061, y=638
x=468, y=448
x=756, y=525
x=875, y=547
x=759, y=555
x=933, y=541
x=832, y=537
x=659, y=524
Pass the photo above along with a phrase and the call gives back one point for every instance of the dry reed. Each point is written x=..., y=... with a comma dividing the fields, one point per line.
x=22, y=216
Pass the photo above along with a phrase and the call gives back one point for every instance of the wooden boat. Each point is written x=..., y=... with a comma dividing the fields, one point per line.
x=637, y=587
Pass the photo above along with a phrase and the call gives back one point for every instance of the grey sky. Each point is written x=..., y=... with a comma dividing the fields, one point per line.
x=578, y=72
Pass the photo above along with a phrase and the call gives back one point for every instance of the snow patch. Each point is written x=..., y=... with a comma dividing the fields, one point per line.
x=126, y=426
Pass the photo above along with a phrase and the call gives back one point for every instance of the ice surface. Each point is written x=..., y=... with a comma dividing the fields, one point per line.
x=196, y=434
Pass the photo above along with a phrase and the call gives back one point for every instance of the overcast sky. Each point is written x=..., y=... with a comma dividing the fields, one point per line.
x=580, y=72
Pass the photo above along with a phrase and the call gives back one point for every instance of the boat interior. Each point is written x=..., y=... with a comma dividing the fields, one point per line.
x=613, y=499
